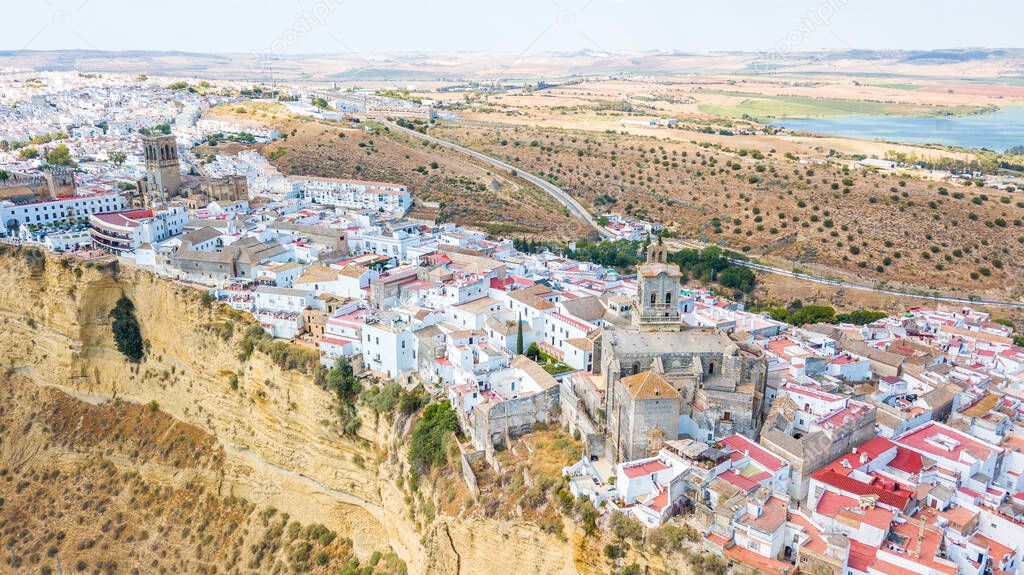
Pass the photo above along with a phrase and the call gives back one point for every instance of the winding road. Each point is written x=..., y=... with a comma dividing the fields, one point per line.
x=579, y=211
x=853, y=285
x=574, y=207
x=694, y=244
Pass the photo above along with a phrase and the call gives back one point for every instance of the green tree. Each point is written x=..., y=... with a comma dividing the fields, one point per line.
x=28, y=153
x=59, y=156
x=127, y=334
x=117, y=157
x=533, y=352
x=342, y=381
x=738, y=278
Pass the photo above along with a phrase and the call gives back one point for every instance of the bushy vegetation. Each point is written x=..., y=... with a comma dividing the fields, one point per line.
x=283, y=354
x=671, y=538
x=711, y=264
x=617, y=254
x=798, y=314
x=622, y=254
x=127, y=334
x=60, y=155
x=391, y=398
x=427, y=448
x=627, y=528
x=341, y=381
x=708, y=564
x=860, y=316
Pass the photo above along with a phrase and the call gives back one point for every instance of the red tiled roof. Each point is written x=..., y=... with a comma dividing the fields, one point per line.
x=739, y=481
x=759, y=454
x=861, y=556
x=907, y=461
x=897, y=500
x=832, y=502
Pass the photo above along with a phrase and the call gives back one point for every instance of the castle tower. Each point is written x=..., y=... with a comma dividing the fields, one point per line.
x=657, y=294
x=163, y=178
x=60, y=181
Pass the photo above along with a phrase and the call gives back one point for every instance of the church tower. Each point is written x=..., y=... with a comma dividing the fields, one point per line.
x=163, y=177
x=657, y=295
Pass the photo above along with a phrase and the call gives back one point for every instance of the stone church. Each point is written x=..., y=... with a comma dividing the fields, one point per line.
x=666, y=380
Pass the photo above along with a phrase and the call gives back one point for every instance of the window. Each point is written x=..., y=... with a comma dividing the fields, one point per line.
x=636, y=367
x=668, y=297
x=654, y=298
x=711, y=368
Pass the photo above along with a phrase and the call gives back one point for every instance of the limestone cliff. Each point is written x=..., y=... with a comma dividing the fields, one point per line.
x=273, y=426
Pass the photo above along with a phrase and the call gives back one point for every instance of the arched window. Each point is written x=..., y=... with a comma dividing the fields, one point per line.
x=668, y=297
x=711, y=368
x=636, y=367
x=654, y=298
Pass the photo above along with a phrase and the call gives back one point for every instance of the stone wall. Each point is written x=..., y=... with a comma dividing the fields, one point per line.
x=494, y=424
x=467, y=470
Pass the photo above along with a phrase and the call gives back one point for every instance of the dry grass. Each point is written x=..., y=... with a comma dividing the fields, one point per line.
x=122, y=488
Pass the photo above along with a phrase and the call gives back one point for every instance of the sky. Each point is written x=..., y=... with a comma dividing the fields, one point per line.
x=515, y=26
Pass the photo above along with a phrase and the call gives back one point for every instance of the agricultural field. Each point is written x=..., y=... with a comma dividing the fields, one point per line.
x=767, y=107
x=867, y=225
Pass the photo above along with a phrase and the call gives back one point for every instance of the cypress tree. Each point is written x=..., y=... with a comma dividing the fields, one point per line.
x=519, y=335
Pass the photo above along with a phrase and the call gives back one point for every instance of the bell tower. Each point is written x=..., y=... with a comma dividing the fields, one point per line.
x=657, y=294
x=163, y=177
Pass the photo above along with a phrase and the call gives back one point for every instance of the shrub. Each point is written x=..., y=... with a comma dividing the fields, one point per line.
x=429, y=435
x=860, y=316
x=613, y=551
x=627, y=527
x=669, y=537
x=812, y=314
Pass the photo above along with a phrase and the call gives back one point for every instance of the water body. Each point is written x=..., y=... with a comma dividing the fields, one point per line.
x=996, y=131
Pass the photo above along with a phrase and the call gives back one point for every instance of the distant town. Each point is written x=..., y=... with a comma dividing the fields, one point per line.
x=841, y=444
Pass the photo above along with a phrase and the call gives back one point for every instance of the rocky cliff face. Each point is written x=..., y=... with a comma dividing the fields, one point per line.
x=273, y=426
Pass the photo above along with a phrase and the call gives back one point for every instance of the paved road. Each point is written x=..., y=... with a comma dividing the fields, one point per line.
x=574, y=207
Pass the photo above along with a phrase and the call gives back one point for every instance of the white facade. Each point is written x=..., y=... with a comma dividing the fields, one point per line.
x=355, y=194
x=58, y=210
x=282, y=299
x=388, y=349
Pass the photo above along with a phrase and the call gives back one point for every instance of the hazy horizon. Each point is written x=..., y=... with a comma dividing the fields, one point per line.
x=318, y=27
